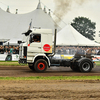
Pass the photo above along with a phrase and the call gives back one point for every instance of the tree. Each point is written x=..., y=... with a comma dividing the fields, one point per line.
x=84, y=26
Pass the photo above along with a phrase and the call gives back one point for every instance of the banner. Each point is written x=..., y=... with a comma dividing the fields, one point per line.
x=6, y=57
x=3, y=57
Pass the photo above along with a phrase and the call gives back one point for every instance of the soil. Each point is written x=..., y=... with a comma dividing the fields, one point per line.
x=48, y=89
x=24, y=71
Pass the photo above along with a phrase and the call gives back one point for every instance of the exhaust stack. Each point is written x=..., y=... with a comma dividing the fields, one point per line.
x=51, y=55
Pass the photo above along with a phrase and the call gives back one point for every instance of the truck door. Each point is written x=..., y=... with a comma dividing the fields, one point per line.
x=34, y=43
x=46, y=43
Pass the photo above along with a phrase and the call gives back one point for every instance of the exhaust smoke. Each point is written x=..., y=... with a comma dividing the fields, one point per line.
x=63, y=6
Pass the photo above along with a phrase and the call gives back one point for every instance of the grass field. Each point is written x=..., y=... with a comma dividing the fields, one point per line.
x=98, y=63
x=10, y=63
x=53, y=78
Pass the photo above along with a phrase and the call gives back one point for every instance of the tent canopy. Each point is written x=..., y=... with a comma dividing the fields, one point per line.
x=11, y=42
x=68, y=36
x=12, y=25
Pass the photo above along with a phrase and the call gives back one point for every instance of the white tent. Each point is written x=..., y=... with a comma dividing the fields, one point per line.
x=68, y=36
x=11, y=42
x=12, y=25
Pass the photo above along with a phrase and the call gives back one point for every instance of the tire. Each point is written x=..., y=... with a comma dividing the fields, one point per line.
x=86, y=66
x=40, y=65
x=75, y=68
x=31, y=67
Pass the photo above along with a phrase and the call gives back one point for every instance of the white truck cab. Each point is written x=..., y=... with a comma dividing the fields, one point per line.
x=38, y=46
x=39, y=43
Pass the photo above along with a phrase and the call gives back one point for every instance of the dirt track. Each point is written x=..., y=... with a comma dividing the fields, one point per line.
x=24, y=71
x=47, y=89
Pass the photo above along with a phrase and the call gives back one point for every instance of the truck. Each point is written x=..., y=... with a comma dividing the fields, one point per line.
x=39, y=49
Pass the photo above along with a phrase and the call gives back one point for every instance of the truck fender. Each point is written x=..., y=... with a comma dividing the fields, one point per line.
x=43, y=57
x=84, y=59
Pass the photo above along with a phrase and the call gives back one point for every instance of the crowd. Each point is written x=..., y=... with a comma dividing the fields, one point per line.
x=59, y=50
x=9, y=49
x=73, y=50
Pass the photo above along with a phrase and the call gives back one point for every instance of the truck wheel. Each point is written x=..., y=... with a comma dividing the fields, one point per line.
x=40, y=65
x=31, y=67
x=85, y=66
x=74, y=68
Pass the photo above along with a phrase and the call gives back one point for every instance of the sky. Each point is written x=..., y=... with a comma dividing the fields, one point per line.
x=89, y=9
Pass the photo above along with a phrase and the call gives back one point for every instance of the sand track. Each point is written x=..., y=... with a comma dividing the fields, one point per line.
x=49, y=90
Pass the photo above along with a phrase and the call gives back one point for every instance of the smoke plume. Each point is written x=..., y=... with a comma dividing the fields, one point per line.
x=63, y=6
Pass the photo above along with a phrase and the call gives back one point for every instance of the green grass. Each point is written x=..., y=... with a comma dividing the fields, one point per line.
x=98, y=63
x=53, y=78
x=10, y=63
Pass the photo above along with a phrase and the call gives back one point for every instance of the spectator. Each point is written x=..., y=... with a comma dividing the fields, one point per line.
x=2, y=50
x=17, y=50
x=64, y=50
x=67, y=51
x=14, y=50
x=59, y=51
x=11, y=50
x=89, y=51
x=6, y=50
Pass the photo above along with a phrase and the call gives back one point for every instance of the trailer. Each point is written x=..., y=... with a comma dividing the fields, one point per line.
x=39, y=48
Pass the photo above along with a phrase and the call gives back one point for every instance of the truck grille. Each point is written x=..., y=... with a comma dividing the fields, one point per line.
x=22, y=52
x=25, y=51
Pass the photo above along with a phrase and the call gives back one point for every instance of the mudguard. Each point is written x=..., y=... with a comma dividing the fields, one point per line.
x=41, y=55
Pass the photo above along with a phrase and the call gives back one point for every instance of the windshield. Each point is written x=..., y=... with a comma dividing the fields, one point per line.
x=35, y=38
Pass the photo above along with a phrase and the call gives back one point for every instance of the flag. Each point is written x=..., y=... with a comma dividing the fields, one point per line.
x=30, y=25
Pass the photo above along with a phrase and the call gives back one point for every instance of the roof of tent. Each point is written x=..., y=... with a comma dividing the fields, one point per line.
x=11, y=42
x=70, y=37
x=12, y=25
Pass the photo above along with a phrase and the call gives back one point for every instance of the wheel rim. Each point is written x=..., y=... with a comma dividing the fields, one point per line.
x=86, y=66
x=41, y=66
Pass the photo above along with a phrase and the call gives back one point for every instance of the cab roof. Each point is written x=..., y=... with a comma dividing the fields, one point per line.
x=49, y=31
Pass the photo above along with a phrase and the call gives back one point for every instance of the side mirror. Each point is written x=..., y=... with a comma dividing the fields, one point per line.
x=19, y=42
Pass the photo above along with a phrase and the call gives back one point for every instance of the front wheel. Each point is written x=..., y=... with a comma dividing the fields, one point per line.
x=40, y=65
x=86, y=66
x=31, y=66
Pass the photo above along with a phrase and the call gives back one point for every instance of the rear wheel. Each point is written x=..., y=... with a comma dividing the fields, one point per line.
x=75, y=68
x=86, y=66
x=40, y=65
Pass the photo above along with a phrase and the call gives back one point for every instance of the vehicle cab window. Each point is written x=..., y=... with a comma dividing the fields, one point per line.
x=35, y=38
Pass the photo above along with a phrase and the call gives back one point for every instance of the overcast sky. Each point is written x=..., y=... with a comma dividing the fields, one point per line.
x=89, y=9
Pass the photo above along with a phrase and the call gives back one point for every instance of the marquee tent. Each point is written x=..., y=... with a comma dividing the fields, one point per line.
x=11, y=42
x=68, y=36
x=12, y=25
